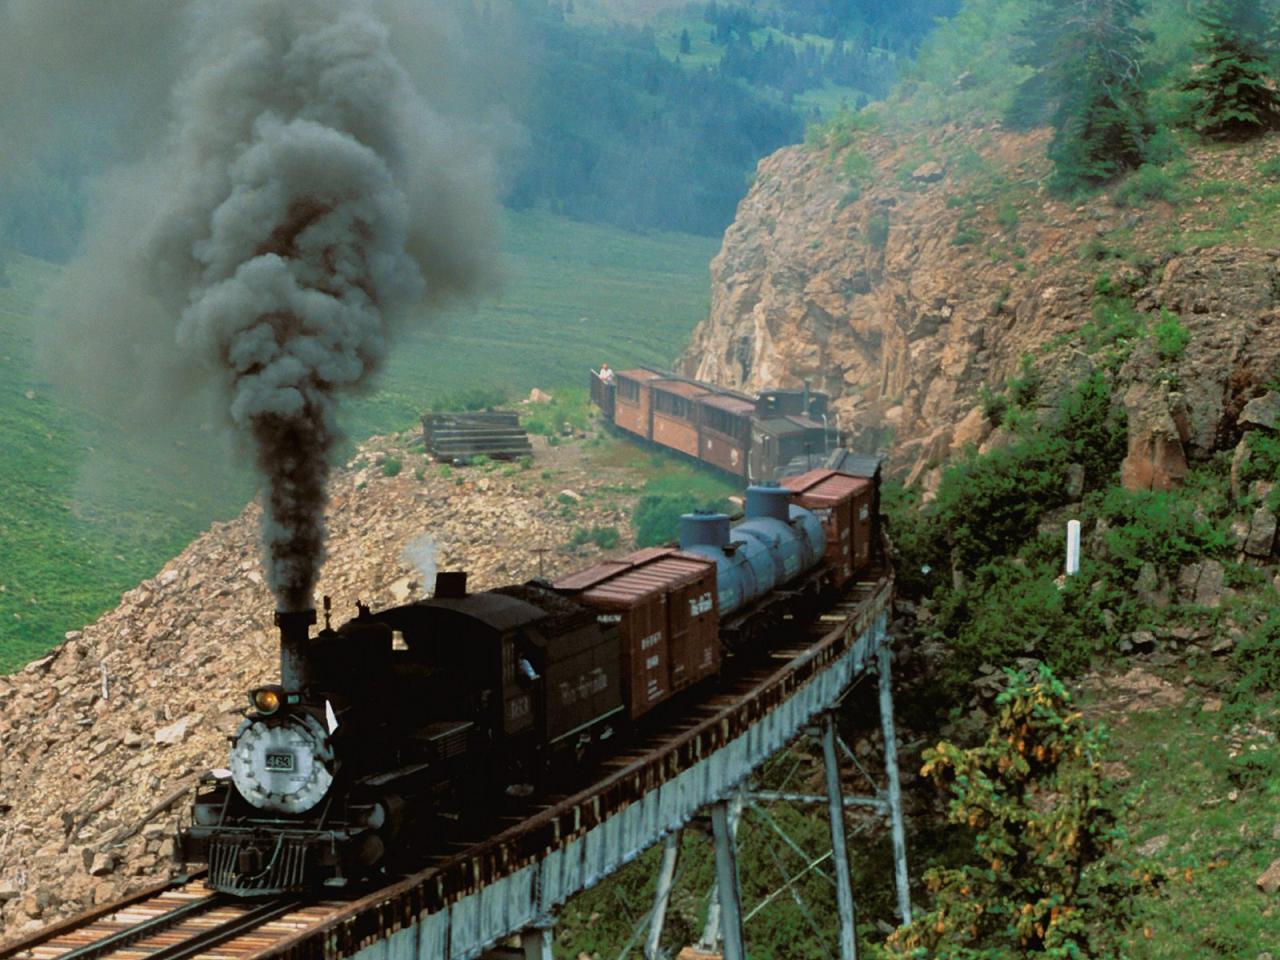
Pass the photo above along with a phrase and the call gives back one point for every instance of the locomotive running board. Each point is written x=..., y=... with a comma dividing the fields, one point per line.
x=468, y=901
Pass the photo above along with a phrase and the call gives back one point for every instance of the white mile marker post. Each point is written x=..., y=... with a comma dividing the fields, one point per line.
x=1073, y=547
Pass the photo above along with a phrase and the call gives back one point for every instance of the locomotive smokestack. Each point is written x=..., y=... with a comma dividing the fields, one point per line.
x=295, y=636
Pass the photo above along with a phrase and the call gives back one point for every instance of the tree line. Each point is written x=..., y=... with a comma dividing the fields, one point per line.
x=1088, y=81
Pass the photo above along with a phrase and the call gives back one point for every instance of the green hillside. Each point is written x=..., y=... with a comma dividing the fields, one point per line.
x=89, y=509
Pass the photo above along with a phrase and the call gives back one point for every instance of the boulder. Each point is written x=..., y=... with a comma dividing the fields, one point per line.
x=1156, y=458
x=1263, y=411
x=1269, y=882
x=1262, y=533
x=1202, y=583
x=1149, y=587
x=928, y=172
x=173, y=734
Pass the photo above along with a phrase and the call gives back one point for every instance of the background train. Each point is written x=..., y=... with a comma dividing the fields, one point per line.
x=777, y=433
x=389, y=732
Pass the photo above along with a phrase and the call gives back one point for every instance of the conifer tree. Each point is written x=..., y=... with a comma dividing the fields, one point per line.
x=1086, y=56
x=1234, y=98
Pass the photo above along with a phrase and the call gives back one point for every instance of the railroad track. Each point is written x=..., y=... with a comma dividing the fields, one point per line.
x=177, y=921
x=181, y=920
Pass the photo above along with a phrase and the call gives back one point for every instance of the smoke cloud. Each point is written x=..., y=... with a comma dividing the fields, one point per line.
x=420, y=553
x=305, y=200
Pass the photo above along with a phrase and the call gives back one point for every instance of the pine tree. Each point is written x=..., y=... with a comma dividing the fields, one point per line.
x=1086, y=56
x=1234, y=98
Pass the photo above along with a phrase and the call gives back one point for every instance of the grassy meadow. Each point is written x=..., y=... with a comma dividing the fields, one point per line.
x=89, y=508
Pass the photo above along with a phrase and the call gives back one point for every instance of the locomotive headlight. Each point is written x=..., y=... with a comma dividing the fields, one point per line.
x=266, y=700
x=283, y=763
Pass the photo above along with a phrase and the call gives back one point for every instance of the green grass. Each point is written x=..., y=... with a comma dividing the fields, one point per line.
x=90, y=508
x=1219, y=815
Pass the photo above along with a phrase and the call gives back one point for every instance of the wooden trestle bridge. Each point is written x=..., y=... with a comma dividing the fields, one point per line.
x=467, y=901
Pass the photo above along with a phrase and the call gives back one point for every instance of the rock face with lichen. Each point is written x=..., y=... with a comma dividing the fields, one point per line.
x=905, y=291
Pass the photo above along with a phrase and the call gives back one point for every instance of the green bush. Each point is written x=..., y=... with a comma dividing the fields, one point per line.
x=1159, y=527
x=657, y=516
x=391, y=466
x=1171, y=337
x=1264, y=460
x=1270, y=168
x=606, y=538
x=569, y=407
x=473, y=398
x=1149, y=182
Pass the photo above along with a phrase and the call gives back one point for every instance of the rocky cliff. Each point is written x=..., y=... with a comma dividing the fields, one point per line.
x=905, y=274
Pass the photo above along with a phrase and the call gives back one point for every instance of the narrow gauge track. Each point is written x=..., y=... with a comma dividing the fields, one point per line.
x=174, y=921
x=187, y=923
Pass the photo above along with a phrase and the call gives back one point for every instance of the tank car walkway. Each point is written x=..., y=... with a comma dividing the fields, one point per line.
x=467, y=900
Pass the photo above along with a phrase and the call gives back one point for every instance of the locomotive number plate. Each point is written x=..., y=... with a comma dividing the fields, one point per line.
x=280, y=761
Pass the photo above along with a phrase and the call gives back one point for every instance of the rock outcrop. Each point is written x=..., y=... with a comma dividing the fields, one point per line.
x=101, y=740
x=905, y=294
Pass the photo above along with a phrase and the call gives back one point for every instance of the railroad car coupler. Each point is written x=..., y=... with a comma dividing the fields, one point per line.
x=295, y=637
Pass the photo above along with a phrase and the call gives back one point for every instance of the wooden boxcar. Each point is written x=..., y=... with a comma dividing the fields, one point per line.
x=843, y=503
x=663, y=602
x=726, y=431
x=674, y=414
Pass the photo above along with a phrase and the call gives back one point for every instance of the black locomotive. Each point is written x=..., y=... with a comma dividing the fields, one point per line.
x=398, y=727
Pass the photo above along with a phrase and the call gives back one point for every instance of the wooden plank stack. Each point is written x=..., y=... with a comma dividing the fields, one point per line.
x=457, y=437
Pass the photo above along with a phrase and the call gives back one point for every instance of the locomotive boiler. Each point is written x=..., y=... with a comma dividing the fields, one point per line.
x=404, y=727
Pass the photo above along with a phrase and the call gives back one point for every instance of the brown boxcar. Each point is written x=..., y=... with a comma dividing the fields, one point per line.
x=631, y=410
x=843, y=503
x=674, y=414
x=725, y=422
x=664, y=604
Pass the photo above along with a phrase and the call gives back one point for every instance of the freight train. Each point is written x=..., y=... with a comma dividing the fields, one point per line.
x=775, y=433
x=402, y=727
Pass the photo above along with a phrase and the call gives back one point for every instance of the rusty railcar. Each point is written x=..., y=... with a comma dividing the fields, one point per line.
x=755, y=438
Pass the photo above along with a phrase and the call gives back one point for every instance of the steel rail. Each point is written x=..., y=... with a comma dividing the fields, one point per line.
x=146, y=928
x=227, y=930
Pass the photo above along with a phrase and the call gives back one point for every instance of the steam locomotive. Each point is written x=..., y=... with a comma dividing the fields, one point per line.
x=398, y=727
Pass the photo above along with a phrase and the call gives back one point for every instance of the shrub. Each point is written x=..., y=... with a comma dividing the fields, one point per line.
x=1045, y=877
x=1145, y=184
x=391, y=466
x=1270, y=168
x=606, y=538
x=1171, y=337
x=473, y=398
x=657, y=516
x=1158, y=527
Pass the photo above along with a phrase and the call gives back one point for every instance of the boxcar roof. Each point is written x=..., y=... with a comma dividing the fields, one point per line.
x=649, y=559
x=825, y=484
x=681, y=388
x=730, y=403
x=640, y=373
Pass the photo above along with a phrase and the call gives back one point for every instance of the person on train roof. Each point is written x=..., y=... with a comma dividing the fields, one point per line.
x=606, y=375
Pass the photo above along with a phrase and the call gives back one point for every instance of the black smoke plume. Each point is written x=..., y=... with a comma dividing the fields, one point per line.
x=306, y=199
